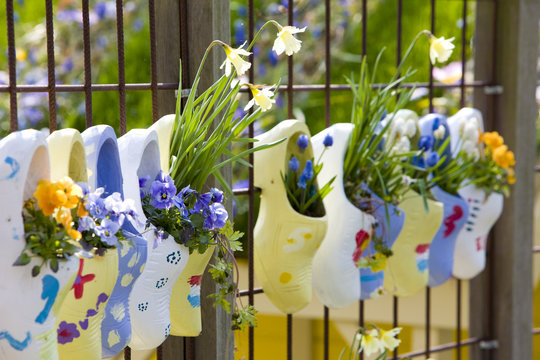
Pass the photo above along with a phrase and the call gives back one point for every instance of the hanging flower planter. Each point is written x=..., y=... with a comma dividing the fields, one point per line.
x=185, y=306
x=149, y=300
x=335, y=274
x=285, y=240
x=455, y=210
x=29, y=304
x=483, y=208
x=79, y=324
x=407, y=268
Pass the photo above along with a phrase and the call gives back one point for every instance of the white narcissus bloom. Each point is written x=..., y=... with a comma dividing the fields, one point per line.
x=371, y=344
x=440, y=49
x=410, y=128
x=234, y=58
x=388, y=338
x=286, y=42
x=263, y=98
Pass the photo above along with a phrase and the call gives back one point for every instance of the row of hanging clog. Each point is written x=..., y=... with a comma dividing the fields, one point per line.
x=294, y=252
x=92, y=308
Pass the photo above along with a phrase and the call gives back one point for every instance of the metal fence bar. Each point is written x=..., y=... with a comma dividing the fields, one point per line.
x=13, y=124
x=251, y=193
x=87, y=64
x=121, y=65
x=153, y=59
x=50, y=64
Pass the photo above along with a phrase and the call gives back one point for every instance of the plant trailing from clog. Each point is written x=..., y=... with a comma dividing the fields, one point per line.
x=300, y=180
x=48, y=224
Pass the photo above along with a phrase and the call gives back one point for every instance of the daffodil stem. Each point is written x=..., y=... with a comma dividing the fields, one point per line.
x=408, y=52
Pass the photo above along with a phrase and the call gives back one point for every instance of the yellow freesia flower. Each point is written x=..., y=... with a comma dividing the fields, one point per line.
x=511, y=177
x=388, y=338
x=492, y=139
x=286, y=42
x=234, y=58
x=262, y=97
x=371, y=344
x=440, y=49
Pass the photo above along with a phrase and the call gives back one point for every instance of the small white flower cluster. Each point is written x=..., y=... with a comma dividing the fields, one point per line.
x=469, y=132
x=402, y=129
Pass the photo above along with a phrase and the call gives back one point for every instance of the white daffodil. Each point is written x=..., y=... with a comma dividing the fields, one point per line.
x=263, y=98
x=371, y=344
x=286, y=42
x=388, y=338
x=440, y=49
x=234, y=58
x=439, y=133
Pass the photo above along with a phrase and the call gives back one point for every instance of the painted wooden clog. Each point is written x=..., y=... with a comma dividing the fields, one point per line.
x=335, y=274
x=455, y=211
x=284, y=240
x=28, y=305
x=149, y=300
x=407, y=268
x=484, y=210
x=79, y=323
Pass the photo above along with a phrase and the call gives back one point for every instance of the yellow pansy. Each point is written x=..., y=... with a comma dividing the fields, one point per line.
x=43, y=195
x=492, y=139
x=503, y=157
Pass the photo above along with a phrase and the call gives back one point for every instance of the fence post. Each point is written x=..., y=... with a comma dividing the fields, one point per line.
x=188, y=27
x=506, y=54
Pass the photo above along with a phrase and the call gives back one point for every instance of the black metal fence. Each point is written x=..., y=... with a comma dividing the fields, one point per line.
x=13, y=88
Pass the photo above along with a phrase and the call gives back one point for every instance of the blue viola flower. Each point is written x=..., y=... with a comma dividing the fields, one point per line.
x=162, y=191
x=143, y=188
x=159, y=236
x=86, y=223
x=432, y=159
x=95, y=205
x=84, y=187
x=328, y=140
x=294, y=164
x=187, y=192
x=426, y=142
x=107, y=231
x=302, y=142
x=115, y=207
x=216, y=218
x=217, y=195
x=202, y=203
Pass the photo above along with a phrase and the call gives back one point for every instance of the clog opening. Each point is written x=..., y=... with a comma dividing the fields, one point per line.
x=77, y=163
x=316, y=209
x=150, y=161
x=38, y=169
x=109, y=174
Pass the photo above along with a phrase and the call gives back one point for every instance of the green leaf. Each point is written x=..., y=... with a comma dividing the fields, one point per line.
x=23, y=259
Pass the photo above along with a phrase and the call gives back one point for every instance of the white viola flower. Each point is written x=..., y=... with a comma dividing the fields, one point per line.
x=440, y=49
x=234, y=58
x=439, y=133
x=286, y=42
x=261, y=96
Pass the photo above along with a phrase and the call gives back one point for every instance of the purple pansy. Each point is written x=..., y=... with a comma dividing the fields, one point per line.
x=217, y=195
x=216, y=218
x=162, y=191
x=107, y=231
x=95, y=204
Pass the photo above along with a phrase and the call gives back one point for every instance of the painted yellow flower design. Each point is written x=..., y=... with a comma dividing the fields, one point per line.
x=297, y=239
